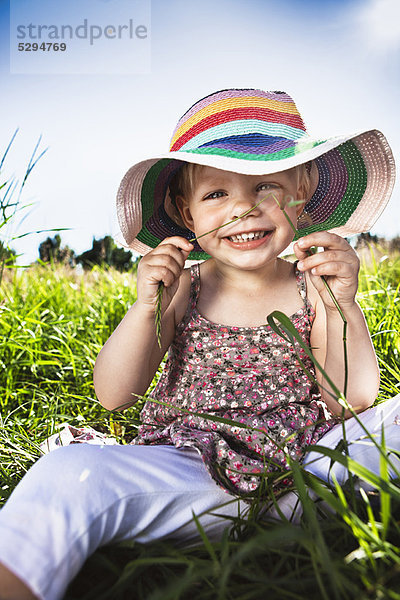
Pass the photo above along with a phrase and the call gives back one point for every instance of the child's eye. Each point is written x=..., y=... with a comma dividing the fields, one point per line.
x=214, y=196
x=266, y=186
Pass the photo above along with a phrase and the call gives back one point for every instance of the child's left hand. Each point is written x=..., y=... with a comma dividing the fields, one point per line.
x=338, y=263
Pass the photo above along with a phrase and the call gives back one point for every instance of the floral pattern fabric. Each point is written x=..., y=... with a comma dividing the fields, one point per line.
x=239, y=395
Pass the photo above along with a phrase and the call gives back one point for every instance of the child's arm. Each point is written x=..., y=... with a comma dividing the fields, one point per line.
x=339, y=264
x=129, y=359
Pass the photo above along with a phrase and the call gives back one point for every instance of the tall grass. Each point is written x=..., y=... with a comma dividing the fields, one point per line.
x=11, y=205
x=379, y=296
x=54, y=322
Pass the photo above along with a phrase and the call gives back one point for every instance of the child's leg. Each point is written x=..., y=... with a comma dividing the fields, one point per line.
x=13, y=588
x=361, y=449
x=78, y=498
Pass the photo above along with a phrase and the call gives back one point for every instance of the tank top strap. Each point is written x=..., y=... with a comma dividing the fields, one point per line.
x=193, y=296
x=194, y=284
x=302, y=288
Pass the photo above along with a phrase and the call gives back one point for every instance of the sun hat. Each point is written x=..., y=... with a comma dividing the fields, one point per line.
x=254, y=132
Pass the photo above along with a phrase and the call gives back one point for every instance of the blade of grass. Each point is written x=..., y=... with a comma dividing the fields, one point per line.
x=384, y=496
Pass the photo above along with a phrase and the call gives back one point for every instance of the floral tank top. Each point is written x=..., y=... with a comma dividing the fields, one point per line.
x=239, y=396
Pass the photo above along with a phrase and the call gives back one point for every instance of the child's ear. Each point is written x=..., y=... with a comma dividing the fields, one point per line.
x=300, y=207
x=184, y=210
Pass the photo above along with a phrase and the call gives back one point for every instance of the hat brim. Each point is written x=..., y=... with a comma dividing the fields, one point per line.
x=352, y=180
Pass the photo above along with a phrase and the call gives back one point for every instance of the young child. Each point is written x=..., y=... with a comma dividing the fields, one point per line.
x=233, y=399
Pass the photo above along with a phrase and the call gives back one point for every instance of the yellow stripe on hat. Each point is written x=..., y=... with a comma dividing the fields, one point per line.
x=230, y=103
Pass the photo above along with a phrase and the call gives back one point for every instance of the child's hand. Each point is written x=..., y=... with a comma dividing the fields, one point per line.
x=339, y=264
x=163, y=264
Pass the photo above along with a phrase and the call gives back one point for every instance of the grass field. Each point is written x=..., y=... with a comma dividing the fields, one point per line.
x=54, y=322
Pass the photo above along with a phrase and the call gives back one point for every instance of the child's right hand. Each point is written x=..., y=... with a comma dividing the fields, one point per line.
x=163, y=264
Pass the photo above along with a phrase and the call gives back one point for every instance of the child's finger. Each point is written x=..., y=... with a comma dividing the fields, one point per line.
x=322, y=239
x=164, y=274
x=333, y=269
x=167, y=254
x=174, y=249
x=163, y=267
x=313, y=261
x=299, y=252
x=179, y=242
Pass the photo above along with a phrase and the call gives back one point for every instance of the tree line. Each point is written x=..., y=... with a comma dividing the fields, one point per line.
x=104, y=252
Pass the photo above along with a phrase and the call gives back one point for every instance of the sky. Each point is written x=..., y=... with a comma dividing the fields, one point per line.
x=102, y=106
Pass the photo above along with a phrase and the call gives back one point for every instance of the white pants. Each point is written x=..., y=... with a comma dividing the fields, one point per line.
x=80, y=497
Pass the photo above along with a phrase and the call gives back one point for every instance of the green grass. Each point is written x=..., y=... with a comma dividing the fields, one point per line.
x=54, y=321
x=379, y=296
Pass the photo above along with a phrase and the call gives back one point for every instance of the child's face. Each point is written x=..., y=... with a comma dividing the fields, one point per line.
x=221, y=196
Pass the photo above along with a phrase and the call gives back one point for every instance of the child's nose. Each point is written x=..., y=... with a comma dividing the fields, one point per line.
x=244, y=203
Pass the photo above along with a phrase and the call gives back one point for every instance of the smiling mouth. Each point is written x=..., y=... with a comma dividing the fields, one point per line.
x=247, y=237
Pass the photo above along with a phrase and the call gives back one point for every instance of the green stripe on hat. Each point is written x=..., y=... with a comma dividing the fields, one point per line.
x=148, y=187
x=147, y=199
x=146, y=237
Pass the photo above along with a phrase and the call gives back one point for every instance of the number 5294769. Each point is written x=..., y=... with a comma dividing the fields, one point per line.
x=44, y=46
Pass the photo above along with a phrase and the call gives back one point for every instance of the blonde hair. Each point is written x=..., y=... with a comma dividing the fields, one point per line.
x=183, y=182
x=304, y=179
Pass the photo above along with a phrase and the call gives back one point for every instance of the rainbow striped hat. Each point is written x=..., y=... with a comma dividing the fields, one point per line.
x=254, y=132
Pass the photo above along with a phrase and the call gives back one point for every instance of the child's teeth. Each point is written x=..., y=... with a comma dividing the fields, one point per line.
x=243, y=237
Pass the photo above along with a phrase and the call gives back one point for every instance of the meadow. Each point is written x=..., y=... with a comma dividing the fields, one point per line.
x=54, y=320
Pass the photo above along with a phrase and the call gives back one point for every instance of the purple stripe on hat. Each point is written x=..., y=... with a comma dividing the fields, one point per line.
x=251, y=149
x=251, y=139
x=154, y=224
x=161, y=226
x=330, y=190
x=322, y=187
x=336, y=191
x=163, y=181
x=224, y=94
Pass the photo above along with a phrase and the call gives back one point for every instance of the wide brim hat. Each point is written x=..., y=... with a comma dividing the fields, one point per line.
x=253, y=132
